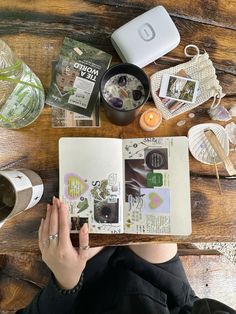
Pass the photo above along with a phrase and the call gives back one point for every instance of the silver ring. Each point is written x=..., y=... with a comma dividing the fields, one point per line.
x=53, y=236
x=84, y=247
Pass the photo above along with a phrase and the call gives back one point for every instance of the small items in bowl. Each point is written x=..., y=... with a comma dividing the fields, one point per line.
x=200, y=147
x=124, y=89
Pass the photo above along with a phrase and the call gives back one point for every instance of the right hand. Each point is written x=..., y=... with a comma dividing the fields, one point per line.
x=66, y=262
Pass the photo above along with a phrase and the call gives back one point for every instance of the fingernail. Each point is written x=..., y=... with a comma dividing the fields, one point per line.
x=58, y=202
x=48, y=207
x=42, y=220
x=85, y=228
x=54, y=200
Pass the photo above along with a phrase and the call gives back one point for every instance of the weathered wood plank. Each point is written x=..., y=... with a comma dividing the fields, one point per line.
x=26, y=267
x=21, y=277
x=34, y=135
x=15, y=294
x=192, y=249
x=197, y=252
x=212, y=277
x=62, y=8
x=45, y=23
x=208, y=211
x=220, y=13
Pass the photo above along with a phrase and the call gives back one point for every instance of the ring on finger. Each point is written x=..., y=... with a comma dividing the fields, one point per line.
x=53, y=236
x=84, y=247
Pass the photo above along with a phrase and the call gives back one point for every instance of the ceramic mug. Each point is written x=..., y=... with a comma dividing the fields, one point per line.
x=20, y=189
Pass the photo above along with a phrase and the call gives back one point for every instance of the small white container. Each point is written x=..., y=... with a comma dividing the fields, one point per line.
x=146, y=38
x=201, y=148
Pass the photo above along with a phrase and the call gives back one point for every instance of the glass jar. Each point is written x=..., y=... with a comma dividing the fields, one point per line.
x=21, y=92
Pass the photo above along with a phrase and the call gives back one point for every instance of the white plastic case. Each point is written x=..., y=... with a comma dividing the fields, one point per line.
x=146, y=38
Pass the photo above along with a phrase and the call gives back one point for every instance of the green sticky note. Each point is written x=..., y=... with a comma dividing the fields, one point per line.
x=154, y=179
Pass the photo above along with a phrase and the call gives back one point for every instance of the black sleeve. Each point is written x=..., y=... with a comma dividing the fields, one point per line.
x=53, y=300
x=209, y=306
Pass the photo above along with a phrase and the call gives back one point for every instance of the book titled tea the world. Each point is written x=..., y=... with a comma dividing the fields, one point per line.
x=62, y=118
x=76, y=77
x=138, y=185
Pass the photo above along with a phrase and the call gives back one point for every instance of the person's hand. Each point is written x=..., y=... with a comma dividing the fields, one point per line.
x=65, y=261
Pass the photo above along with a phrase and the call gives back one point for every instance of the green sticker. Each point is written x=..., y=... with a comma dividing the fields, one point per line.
x=154, y=179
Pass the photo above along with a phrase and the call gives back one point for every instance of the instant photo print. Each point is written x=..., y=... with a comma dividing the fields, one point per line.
x=146, y=38
x=76, y=222
x=179, y=88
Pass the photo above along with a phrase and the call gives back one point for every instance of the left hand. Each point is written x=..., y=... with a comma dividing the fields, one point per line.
x=66, y=262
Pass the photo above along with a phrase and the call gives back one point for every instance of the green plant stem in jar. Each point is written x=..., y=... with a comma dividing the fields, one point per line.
x=21, y=92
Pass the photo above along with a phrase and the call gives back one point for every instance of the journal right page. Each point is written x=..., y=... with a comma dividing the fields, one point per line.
x=157, y=186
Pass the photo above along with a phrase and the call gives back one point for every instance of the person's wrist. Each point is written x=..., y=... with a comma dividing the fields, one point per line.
x=61, y=289
x=67, y=284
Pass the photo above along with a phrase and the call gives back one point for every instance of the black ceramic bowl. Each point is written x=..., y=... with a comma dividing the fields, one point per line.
x=121, y=116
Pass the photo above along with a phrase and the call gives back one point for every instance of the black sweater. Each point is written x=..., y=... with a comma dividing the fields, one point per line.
x=118, y=281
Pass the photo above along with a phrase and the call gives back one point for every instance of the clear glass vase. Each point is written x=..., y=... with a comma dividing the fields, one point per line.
x=21, y=92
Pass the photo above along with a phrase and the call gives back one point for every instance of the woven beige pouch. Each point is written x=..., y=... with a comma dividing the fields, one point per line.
x=200, y=68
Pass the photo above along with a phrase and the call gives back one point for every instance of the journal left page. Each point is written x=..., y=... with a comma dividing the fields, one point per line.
x=91, y=183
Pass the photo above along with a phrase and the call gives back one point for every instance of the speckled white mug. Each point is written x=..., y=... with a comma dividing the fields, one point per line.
x=20, y=189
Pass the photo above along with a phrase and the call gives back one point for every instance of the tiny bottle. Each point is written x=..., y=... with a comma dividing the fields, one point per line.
x=21, y=92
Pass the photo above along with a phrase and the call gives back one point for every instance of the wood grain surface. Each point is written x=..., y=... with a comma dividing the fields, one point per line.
x=35, y=31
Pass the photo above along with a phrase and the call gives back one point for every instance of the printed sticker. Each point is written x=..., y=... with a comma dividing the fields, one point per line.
x=156, y=200
x=154, y=179
x=74, y=186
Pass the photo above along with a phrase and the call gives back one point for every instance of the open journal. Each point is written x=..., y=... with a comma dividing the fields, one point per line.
x=138, y=185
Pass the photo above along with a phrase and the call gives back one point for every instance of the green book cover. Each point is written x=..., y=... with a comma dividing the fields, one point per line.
x=76, y=77
x=62, y=118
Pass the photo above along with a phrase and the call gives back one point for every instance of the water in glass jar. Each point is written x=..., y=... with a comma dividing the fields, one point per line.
x=21, y=92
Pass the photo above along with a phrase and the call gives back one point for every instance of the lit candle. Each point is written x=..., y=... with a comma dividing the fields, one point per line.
x=150, y=119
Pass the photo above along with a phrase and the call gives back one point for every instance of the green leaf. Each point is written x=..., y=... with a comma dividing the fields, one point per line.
x=16, y=66
x=6, y=120
x=9, y=79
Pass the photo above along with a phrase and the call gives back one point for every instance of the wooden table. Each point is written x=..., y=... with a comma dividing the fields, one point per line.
x=35, y=31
